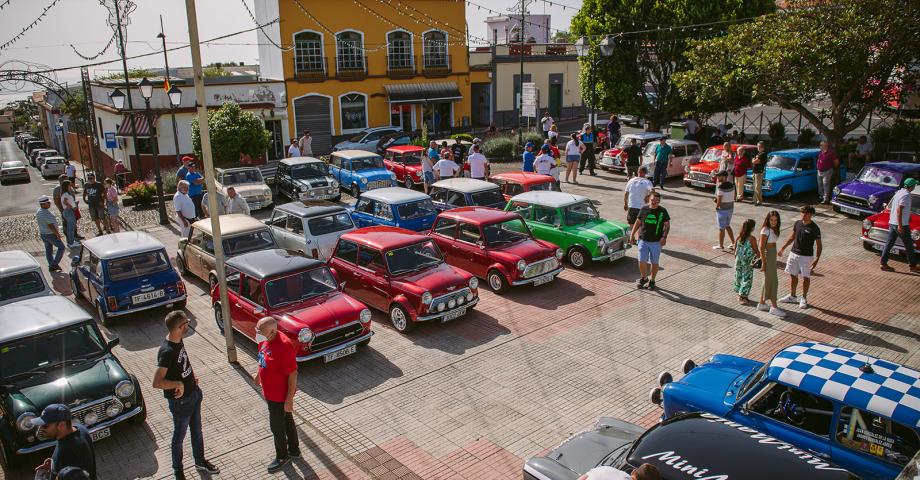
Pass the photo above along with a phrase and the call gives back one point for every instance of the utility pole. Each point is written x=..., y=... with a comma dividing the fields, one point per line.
x=201, y=106
x=124, y=64
x=521, y=77
x=172, y=109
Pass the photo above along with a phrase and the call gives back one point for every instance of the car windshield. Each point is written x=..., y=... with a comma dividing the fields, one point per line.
x=248, y=242
x=581, y=212
x=48, y=153
x=241, y=177
x=35, y=355
x=782, y=163
x=330, y=224
x=415, y=257
x=543, y=187
x=751, y=380
x=410, y=159
x=880, y=176
x=299, y=286
x=505, y=233
x=419, y=209
x=623, y=142
x=712, y=155
x=309, y=170
x=20, y=285
x=488, y=197
x=365, y=163
x=357, y=138
x=13, y=164
x=137, y=265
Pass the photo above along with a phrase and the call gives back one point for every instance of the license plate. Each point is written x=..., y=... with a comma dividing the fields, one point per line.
x=339, y=354
x=698, y=184
x=543, y=279
x=100, y=434
x=851, y=211
x=146, y=297
x=453, y=315
x=617, y=255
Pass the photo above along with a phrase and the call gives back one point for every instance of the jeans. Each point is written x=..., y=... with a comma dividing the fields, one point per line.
x=70, y=225
x=893, y=234
x=661, y=173
x=51, y=241
x=186, y=413
x=758, y=187
x=197, y=201
x=824, y=184
x=281, y=424
x=587, y=159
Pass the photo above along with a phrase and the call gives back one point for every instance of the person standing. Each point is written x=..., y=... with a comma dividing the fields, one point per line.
x=725, y=207
x=899, y=209
x=446, y=168
x=93, y=195
x=49, y=233
x=69, y=213
x=557, y=160
x=806, y=251
x=236, y=203
x=120, y=174
x=528, y=158
x=652, y=226
x=479, y=164
x=587, y=155
x=278, y=379
x=545, y=162
x=73, y=445
x=757, y=168
x=573, y=151
x=827, y=167
x=56, y=197
x=293, y=150
x=746, y=251
x=769, y=234
x=739, y=169
x=547, y=122
x=636, y=194
x=862, y=155
x=663, y=157
x=428, y=162
x=175, y=376
x=183, y=169
x=633, y=155
x=111, y=206
x=458, y=151
x=613, y=130
x=195, y=187
x=692, y=128
x=185, y=208
x=726, y=160
x=71, y=171
x=553, y=132
x=305, y=144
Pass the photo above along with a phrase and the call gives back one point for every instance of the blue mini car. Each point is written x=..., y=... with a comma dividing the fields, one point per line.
x=359, y=171
x=466, y=192
x=788, y=173
x=394, y=207
x=860, y=412
x=126, y=272
x=873, y=187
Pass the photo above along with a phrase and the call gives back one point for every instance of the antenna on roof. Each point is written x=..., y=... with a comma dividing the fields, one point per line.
x=866, y=367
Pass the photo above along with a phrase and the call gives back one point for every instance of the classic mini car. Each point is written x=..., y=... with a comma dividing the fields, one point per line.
x=685, y=152
x=703, y=174
x=305, y=298
x=305, y=178
x=873, y=187
x=860, y=412
x=52, y=167
x=248, y=183
x=126, y=272
x=788, y=173
x=358, y=171
x=688, y=446
x=573, y=224
x=311, y=230
x=466, y=192
x=13, y=170
x=240, y=233
x=395, y=207
x=403, y=273
x=496, y=246
x=875, y=229
x=365, y=140
x=21, y=277
x=611, y=160
x=80, y=371
x=406, y=162
x=513, y=183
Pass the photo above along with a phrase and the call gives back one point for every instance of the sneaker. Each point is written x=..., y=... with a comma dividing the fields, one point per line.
x=54, y=268
x=207, y=467
x=75, y=245
x=718, y=247
x=278, y=464
x=803, y=304
x=777, y=312
x=651, y=285
x=886, y=268
x=789, y=299
x=641, y=283
x=763, y=307
x=179, y=474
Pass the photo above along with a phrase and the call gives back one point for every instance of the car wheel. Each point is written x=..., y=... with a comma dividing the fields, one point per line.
x=409, y=183
x=103, y=317
x=399, y=317
x=219, y=318
x=180, y=265
x=785, y=194
x=497, y=282
x=355, y=190
x=140, y=417
x=76, y=289
x=868, y=246
x=212, y=282
x=578, y=257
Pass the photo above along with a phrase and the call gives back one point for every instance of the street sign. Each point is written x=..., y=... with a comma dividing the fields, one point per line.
x=529, y=99
x=110, y=141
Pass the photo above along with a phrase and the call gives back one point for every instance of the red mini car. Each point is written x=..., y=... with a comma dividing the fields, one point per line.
x=403, y=273
x=875, y=229
x=497, y=246
x=303, y=295
x=513, y=183
x=703, y=174
x=406, y=162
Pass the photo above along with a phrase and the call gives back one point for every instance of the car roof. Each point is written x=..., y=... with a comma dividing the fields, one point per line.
x=383, y=237
x=16, y=261
x=674, y=142
x=231, y=224
x=479, y=215
x=548, y=198
x=888, y=389
x=796, y=152
x=351, y=154
x=300, y=160
x=54, y=157
x=270, y=263
x=645, y=135
x=37, y=315
x=465, y=185
x=405, y=149
x=301, y=210
x=121, y=244
x=394, y=195
x=523, y=177
x=896, y=166
x=20, y=162
x=734, y=146
x=235, y=169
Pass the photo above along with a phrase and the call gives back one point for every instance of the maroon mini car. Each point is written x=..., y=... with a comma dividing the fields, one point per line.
x=403, y=273
x=496, y=246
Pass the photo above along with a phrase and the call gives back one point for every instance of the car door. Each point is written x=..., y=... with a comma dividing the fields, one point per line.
x=363, y=214
x=371, y=278
x=399, y=168
x=444, y=234
x=345, y=262
x=384, y=214
x=205, y=261
x=867, y=441
x=282, y=183
x=675, y=164
x=278, y=224
x=322, y=233
x=249, y=305
x=469, y=252
x=335, y=169
x=806, y=176
x=546, y=225
x=193, y=251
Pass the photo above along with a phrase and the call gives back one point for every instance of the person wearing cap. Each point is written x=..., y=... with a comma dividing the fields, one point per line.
x=95, y=201
x=545, y=162
x=50, y=234
x=73, y=446
x=195, y=186
x=899, y=209
x=278, y=378
x=183, y=170
x=806, y=251
x=587, y=155
x=528, y=158
x=184, y=207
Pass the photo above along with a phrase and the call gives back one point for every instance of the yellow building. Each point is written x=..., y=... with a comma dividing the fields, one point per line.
x=349, y=65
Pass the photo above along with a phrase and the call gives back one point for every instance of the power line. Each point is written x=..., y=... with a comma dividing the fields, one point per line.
x=29, y=26
x=267, y=36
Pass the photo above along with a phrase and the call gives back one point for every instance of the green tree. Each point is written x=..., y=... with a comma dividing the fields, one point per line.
x=844, y=56
x=233, y=131
x=650, y=50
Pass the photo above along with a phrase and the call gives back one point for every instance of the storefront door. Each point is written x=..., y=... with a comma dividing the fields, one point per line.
x=276, y=149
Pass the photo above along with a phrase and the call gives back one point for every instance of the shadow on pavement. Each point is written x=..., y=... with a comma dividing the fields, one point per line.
x=694, y=259
x=530, y=295
x=713, y=307
x=875, y=326
x=458, y=336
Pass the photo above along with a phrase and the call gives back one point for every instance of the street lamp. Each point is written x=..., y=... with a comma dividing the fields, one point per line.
x=175, y=96
x=118, y=99
x=146, y=89
x=583, y=49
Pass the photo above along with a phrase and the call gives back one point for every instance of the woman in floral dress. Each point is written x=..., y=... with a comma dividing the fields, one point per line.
x=745, y=252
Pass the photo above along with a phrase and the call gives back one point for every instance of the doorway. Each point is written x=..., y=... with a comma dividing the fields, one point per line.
x=402, y=116
x=438, y=116
x=555, y=100
x=276, y=149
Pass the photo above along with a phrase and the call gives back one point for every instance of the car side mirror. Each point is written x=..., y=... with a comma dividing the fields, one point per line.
x=342, y=286
x=114, y=342
x=482, y=245
x=268, y=222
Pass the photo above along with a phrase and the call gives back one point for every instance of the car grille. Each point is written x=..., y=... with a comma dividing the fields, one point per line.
x=541, y=267
x=700, y=177
x=881, y=235
x=615, y=245
x=447, y=298
x=378, y=184
x=80, y=414
x=337, y=336
x=861, y=202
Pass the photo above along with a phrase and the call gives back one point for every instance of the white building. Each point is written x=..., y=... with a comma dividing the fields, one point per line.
x=506, y=29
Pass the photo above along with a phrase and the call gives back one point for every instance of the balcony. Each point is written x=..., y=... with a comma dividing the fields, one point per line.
x=311, y=70
x=400, y=66
x=435, y=65
x=350, y=70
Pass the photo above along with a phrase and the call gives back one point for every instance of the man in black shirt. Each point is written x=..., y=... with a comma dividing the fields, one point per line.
x=176, y=378
x=757, y=166
x=458, y=151
x=803, y=259
x=95, y=200
x=652, y=226
x=74, y=445
x=633, y=157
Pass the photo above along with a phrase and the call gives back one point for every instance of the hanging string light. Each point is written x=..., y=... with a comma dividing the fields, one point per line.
x=93, y=57
x=29, y=26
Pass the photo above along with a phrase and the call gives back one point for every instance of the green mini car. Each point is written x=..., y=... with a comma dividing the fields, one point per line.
x=573, y=224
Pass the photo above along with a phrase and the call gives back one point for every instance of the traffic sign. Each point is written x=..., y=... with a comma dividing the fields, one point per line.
x=110, y=141
x=529, y=100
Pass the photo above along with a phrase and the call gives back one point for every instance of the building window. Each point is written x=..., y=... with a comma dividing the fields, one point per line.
x=434, y=49
x=349, y=50
x=354, y=111
x=308, y=52
x=399, y=50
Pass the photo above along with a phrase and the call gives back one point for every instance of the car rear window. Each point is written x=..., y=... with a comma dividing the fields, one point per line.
x=419, y=209
x=137, y=265
x=330, y=224
x=488, y=197
x=20, y=285
x=249, y=242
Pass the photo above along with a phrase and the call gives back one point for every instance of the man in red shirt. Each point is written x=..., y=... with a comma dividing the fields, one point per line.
x=739, y=170
x=278, y=378
x=827, y=166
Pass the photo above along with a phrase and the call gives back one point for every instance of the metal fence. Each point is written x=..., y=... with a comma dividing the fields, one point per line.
x=758, y=123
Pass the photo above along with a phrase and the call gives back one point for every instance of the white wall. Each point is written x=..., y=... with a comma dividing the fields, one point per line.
x=270, y=64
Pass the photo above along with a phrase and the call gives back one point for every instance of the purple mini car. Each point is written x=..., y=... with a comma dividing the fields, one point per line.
x=873, y=187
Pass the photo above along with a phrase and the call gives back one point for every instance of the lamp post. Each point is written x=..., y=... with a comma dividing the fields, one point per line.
x=583, y=49
x=175, y=95
x=147, y=91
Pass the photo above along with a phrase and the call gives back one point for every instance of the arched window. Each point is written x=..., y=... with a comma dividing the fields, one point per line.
x=349, y=50
x=308, y=52
x=353, y=108
x=399, y=50
x=434, y=49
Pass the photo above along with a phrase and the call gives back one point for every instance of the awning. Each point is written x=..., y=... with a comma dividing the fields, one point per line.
x=140, y=123
x=423, y=92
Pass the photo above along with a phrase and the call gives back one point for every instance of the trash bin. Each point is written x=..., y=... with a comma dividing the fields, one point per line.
x=678, y=130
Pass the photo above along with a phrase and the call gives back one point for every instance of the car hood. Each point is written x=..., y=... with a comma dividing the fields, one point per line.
x=612, y=152
x=373, y=174
x=584, y=451
x=708, y=386
x=314, y=182
x=250, y=189
x=596, y=228
x=529, y=250
x=882, y=219
x=772, y=173
x=436, y=280
x=861, y=189
x=320, y=313
x=72, y=386
x=705, y=167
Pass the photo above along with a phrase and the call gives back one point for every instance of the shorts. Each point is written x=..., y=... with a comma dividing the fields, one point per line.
x=649, y=252
x=631, y=215
x=429, y=177
x=572, y=158
x=96, y=211
x=724, y=218
x=799, y=265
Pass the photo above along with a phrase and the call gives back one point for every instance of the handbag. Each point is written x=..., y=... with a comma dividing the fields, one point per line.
x=757, y=263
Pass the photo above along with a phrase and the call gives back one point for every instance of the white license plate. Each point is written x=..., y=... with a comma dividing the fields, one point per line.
x=544, y=279
x=851, y=211
x=698, y=184
x=339, y=354
x=100, y=434
x=453, y=315
x=617, y=255
x=146, y=297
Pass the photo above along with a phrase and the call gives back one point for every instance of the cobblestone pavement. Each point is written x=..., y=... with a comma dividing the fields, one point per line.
x=475, y=397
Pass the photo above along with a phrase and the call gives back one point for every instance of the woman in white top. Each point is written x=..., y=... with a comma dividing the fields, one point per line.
x=553, y=132
x=727, y=160
x=69, y=202
x=769, y=232
x=573, y=150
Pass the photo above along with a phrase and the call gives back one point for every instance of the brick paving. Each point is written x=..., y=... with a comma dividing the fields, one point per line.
x=475, y=397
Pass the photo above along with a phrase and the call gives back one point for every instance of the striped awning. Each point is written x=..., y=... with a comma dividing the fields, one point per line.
x=423, y=92
x=140, y=124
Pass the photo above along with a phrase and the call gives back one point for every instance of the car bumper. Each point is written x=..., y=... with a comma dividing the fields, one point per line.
x=852, y=209
x=321, y=194
x=693, y=182
x=526, y=281
x=15, y=176
x=336, y=348
x=608, y=163
x=99, y=426
x=612, y=256
x=438, y=315
x=258, y=205
x=164, y=303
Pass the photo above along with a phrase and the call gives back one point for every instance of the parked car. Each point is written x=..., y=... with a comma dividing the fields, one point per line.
x=572, y=223
x=875, y=229
x=22, y=138
x=248, y=183
x=406, y=163
x=394, y=207
x=403, y=273
x=14, y=170
x=496, y=246
x=873, y=187
x=788, y=173
x=302, y=293
x=240, y=234
x=305, y=178
x=21, y=277
x=80, y=371
x=513, y=183
x=703, y=174
x=41, y=152
x=688, y=446
x=125, y=272
x=358, y=171
x=395, y=140
x=860, y=412
x=365, y=140
x=52, y=167
x=466, y=192
x=311, y=230
x=610, y=160
x=686, y=153
x=33, y=144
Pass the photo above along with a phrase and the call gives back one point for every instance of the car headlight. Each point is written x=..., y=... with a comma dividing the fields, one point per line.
x=474, y=283
x=915, y=235
x=364, y=180
x=296, y=189
x=451, y=303
x=333, y=184
x=470, y=297
x=365, y=316
x=559, y=254
x=426, y=298
x=113, y=409
x=867, y=224
x=305, y=335
x=872, y=199
x=768, y=184
x=601, y=243
x=441, y=306
x=836, y=191
x=90, y=419
x=521, y=265
x=124, y=389
x=392, y=176
x=24, y=422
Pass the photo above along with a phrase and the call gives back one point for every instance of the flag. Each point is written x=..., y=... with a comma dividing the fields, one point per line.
x=166, y=84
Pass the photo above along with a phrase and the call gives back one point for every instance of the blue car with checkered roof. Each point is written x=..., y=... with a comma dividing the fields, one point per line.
x=857, y=411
